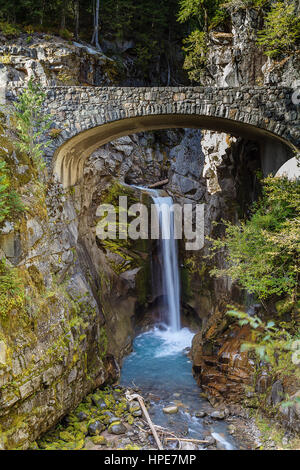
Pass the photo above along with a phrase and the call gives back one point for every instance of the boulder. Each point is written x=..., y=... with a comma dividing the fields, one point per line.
x=117, y=428
x=95, y=428
x=218, y=414
x=169, y=410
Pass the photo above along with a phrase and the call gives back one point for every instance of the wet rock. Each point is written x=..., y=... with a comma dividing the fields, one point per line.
x=117, y=396
x=117, y=428
x=188, y=446
x=99, y=402
x=95, y=428
x=169, y=410
x=210, y=441
x=263, y=383
x=200, y=414
x=82, y=416
x=135, y=409
x=290, y=415
x=231, y=429
x=210, y=365
x=218, y=414
x=114, y=419
x=277, y=393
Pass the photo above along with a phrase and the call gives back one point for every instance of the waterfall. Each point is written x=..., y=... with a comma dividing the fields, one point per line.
x=169, y=253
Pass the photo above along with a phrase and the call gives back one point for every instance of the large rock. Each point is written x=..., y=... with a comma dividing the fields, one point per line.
x=169, y=410
x=95, y=428
x=117, y=428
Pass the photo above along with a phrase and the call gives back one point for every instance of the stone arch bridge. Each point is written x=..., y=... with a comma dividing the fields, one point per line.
x=89, y=117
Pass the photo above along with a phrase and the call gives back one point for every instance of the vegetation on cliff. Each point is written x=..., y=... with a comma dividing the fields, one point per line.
x=279, y=36
x=262, y=255
x=153, y=31
x=263, y=252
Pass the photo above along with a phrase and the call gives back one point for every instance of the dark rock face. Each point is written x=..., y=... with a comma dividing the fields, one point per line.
x=277, y=393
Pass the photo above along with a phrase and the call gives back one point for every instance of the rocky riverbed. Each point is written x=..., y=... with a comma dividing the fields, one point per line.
x=107, y=419
x=159, y=371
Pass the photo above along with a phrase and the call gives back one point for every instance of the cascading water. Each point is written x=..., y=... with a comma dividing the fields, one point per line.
x=158, y=364
x=169, y=266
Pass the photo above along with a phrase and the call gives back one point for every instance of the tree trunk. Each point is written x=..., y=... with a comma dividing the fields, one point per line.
x=42, y=12
x=95, y=39
x=63, y=19
x=97, y=25
x=76, y=13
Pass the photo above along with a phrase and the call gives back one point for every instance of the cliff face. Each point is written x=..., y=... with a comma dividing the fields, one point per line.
x=52, y=336
x=54, y=61
x=235, y=59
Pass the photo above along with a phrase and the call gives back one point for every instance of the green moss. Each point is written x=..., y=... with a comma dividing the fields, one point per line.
x=103, y=343
x=186, y=291
x=143, y=283
x=12, y=291
x=132, y=447
x=66, y=436
x=130, y=419
x=99, y=440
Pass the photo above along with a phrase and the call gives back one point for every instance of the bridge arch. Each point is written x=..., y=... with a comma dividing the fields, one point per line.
x=69, y=158
x=89, y=117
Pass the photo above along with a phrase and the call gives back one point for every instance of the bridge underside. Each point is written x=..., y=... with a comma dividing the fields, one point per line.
x=68, y=162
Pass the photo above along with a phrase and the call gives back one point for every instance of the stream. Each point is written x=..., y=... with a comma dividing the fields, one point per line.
x=161, y=369
x=159, y=365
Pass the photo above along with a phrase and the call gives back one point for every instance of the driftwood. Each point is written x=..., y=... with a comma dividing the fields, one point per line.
x=195, y=441
x=155, y=429
x=148, y=419
x=158, y=184
x=146, y=414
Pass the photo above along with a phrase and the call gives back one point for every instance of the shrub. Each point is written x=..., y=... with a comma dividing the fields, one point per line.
x=262, y=253
x=282, y=29
x=9, y=30
x=12, y=292
x=10, y=203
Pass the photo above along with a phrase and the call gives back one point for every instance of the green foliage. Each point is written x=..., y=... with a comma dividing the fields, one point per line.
x=195, y=47
x=282, y=29
x=202, y=15
x=9, y=30
x=262, y=253
x=273, y=344
x=10, y=203
x=201, y=11
x=12, y=292
x=236, y=4
x=31, y=123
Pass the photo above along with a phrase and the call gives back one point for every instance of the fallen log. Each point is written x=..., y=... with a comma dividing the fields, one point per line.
x=158, y=184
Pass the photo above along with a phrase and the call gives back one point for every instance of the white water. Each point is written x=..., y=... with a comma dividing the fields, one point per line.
x=169, y=251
